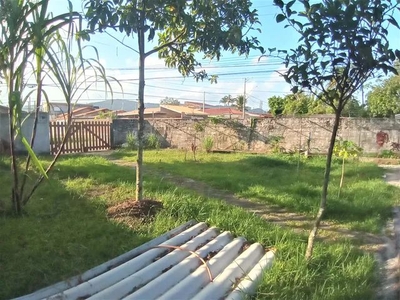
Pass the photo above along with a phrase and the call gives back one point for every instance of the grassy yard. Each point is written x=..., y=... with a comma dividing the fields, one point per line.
x=364, y=204
x=66, y=231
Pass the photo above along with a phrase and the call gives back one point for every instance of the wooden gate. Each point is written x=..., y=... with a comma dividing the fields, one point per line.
x=83, y=136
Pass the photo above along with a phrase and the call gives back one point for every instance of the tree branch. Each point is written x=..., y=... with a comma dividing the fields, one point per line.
x=170, y=43
x=121, y=42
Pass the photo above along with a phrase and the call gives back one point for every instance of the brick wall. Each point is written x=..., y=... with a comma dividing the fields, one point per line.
x=292, y=133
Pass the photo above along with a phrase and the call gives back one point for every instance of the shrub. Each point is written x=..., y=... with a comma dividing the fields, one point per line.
x=152, y=141
x=131, y=141
x=199, y=127
x=208, y=144
x=387, y=154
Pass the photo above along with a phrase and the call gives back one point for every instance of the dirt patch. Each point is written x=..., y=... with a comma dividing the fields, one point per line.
x=142, y=210
x=381, y=160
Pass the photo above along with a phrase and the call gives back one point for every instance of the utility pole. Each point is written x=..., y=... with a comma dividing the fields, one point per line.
x=244, y=99
x=204, y=100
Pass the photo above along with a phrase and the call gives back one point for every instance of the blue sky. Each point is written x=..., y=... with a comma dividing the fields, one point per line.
x=262, y=80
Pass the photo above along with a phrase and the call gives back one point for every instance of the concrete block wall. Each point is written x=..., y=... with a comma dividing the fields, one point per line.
x=120, y=128
x=293, y=132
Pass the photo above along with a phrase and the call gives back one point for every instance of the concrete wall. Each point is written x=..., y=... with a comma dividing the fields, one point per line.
x=120, y=128
x=42, y=141
x=292, y=133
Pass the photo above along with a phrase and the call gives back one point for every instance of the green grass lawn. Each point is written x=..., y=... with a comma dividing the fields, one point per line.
x=65, y=230
x=364, y=204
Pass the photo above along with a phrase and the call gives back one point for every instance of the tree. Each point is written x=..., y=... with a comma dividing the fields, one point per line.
x=240, y=102
x=297, y=104
x=341, y=45
x=169, y=101
x=31, y=46
x=228, y=100
x=183, y=29
x=384, y=99
x=353, y=108
x=237, y=102
x=276, y=105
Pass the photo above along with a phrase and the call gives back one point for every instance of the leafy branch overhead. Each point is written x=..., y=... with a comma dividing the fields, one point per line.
x=181, y=28
x=341, y=45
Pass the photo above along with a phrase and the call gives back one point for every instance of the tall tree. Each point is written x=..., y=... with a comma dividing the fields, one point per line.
x=183, y=29
x=384, y=99
x=240, y=102
x=228, y=100
x=297, y=104
x=341, y=45
x=276, y=105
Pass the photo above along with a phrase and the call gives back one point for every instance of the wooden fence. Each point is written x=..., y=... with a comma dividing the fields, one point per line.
x=84, y=136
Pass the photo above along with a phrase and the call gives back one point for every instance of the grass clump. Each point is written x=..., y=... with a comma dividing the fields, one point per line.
x=208, y=143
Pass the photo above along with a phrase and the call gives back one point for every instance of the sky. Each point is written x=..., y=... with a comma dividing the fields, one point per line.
x=254, y=75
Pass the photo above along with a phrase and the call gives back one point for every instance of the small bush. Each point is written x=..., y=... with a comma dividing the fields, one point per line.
x=387, y=154
x=152, y=141
x=208, y=144
x=131, y=141
x=199, y=127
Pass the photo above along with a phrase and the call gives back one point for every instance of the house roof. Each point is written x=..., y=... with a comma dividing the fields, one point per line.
x=222, y=111
x=198, y=105
x=136, y=112
x=92, y=112
x=83, y=113
x=83, y=108
x=184, y=110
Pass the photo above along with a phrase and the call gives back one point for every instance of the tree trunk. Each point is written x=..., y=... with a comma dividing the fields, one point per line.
x=322, y=207
x=139, y=161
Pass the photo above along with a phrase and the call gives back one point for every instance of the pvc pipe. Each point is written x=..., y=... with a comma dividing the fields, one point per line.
x=158, y=286
x=248, y=286
x=239, y=267
x=193, y=283
x=109, y=278
x=64, y=285
x=154, y=269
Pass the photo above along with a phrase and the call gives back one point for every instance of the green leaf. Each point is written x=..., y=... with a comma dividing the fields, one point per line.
x=34, y=158
x=279, y=3
x=280, y=18
x=290, y=4
x=393, y=22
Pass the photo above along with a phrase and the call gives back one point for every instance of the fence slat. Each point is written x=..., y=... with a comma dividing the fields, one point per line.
x=84, y=136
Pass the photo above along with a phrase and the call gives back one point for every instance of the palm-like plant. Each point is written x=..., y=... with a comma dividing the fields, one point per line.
x=31, y=44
